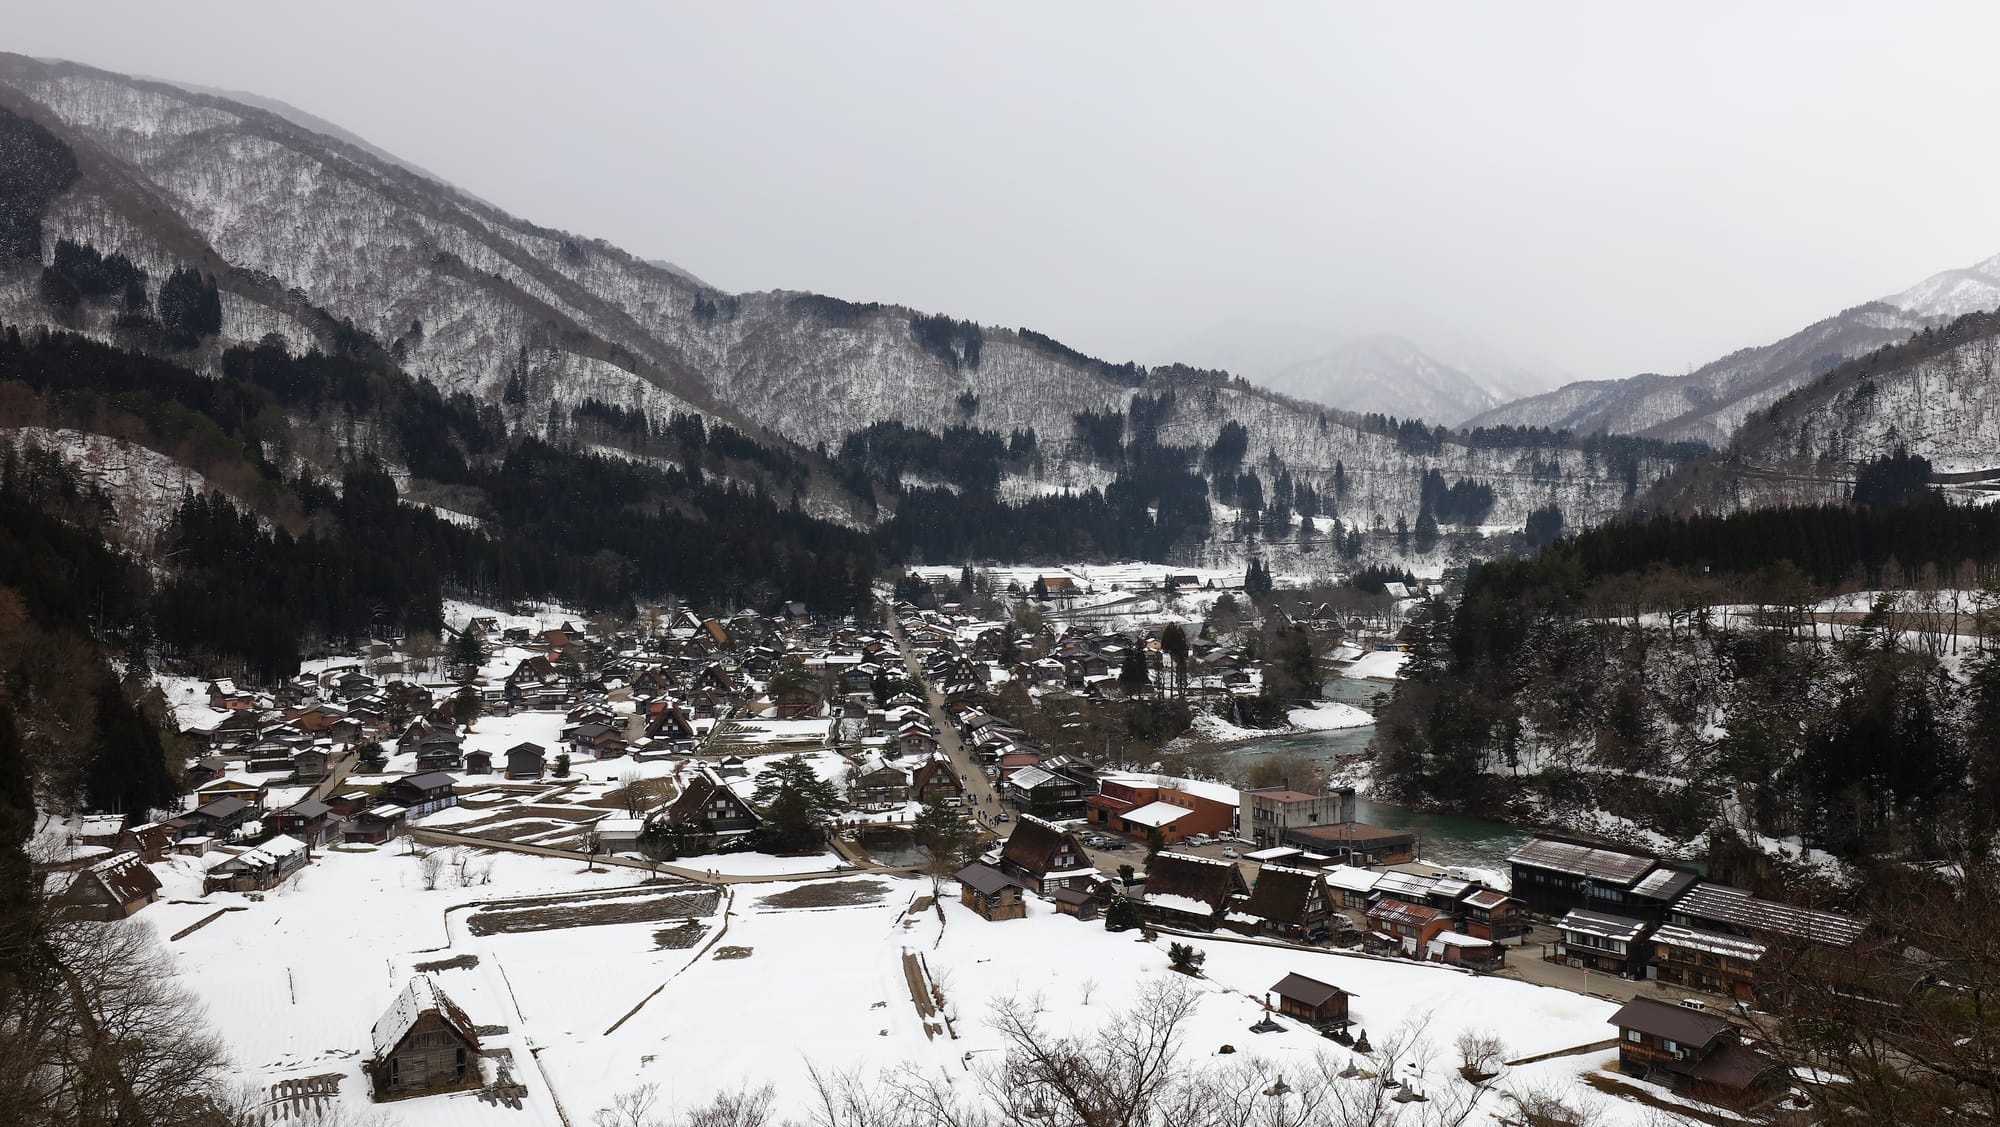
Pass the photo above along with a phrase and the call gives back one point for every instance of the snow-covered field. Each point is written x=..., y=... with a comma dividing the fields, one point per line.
x=1327, y=716
x=1384, y=665
x=785, y=976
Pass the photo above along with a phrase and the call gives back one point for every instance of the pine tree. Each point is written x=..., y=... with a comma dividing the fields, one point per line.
x=798, y=805
x=1427, y=532
x=1132, y=673
x=1174, y=645
x=17, y=822
x=128, y=772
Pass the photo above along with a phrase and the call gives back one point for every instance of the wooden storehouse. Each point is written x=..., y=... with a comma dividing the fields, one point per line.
x=424, y=1043
x=1310, y=1000
x=526, y=761
x=991, y=893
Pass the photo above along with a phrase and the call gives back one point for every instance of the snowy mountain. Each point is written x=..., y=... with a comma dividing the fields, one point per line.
x=1953, y=293
x=1709, y=403
x=1933, y=394
x=307, y=233
x=1438, y=376
x=1387, y=375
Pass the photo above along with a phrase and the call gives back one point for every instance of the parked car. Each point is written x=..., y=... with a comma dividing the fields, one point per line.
x=1229, y=853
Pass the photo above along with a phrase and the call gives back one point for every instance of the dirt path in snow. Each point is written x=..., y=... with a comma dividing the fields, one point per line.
x=446, y=837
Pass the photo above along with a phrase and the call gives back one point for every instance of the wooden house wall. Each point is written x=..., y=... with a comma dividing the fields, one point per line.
x=431, y=1057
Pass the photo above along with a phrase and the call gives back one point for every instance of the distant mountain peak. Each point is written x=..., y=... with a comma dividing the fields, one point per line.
x=1953, y=293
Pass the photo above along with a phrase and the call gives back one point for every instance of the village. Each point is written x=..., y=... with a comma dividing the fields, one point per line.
x=606, y=824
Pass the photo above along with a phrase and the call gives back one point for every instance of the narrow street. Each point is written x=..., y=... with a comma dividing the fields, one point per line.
x=982, y=798
x=336, y=773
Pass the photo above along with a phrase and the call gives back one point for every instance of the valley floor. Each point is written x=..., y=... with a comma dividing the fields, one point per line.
x=592, y=984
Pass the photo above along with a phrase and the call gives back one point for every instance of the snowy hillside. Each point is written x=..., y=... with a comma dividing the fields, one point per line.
x=1388, y=375
x=1709, y=403
x=1941, y=404
x=1954, y=292
x=305, y=231
x=1436, y=375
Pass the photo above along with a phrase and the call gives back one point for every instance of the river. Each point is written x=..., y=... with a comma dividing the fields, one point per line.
x=1443, y=839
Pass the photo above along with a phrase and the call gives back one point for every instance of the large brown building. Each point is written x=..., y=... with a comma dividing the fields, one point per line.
x=1709, y=961
x=1696, y=1054
x=1131, y=808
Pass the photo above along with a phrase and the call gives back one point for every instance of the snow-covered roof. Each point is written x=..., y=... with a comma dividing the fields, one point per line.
x=1200, y=788
x=1176, y=903
x=1350, y=879
x=1156, y=814
x=1028, y=778
x=282, y=846
x=1603, y=925
x=419, y=996
x=1459, y=939
x=1605, y=864
x=1709, y=942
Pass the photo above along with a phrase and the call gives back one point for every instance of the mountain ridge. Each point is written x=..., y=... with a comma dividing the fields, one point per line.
x=308, y=236
x=1709, y=403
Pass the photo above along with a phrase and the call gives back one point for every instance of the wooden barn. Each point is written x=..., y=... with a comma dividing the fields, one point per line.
x=991, y=893
x=423, y=1044
x=111, y=889
x=1311, y=1001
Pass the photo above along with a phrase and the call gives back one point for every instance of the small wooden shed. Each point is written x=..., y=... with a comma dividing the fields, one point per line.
x=1310, y=1000
x=990, y=892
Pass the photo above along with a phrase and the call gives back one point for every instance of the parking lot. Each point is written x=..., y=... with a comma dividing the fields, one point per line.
x=1109, y=850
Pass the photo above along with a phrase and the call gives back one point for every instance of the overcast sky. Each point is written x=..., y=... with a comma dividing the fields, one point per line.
x=1611, y=188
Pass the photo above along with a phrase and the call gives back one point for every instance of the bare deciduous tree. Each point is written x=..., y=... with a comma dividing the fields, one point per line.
x=98, y=1034
x=638, y=1107
x=1480, y=1052
x=431, y=865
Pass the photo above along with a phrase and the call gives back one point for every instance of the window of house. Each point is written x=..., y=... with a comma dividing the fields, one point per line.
x=1634, y=1036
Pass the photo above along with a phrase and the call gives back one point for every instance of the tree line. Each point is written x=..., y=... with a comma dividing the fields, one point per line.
x=1607, y=672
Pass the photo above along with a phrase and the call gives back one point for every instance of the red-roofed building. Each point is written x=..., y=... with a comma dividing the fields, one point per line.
x=1408, y=927
x=1129, y=808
